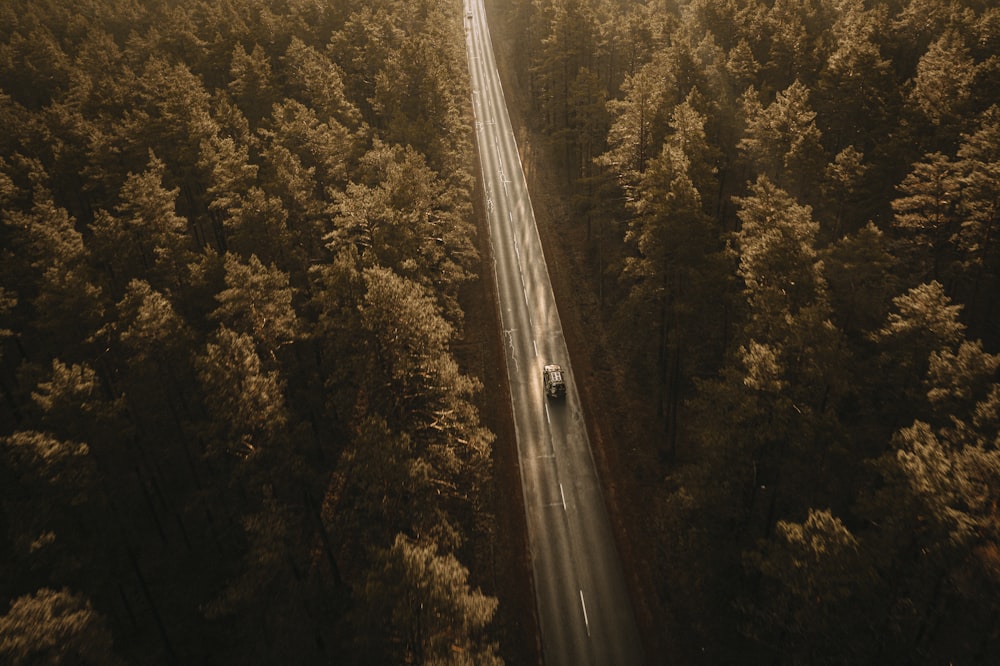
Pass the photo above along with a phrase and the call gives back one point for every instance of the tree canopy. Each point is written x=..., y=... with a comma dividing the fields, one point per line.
x=233, y=240
x=801, y=277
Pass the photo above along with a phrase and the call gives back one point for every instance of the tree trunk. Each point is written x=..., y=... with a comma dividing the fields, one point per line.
x=161, y=628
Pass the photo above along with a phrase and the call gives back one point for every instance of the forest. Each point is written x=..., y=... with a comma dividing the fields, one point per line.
x=233, y=239
x=789, y=210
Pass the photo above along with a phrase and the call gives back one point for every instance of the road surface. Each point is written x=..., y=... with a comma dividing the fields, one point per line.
x=584, y=610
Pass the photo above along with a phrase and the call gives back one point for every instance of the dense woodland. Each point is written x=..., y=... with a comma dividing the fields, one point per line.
x=792, y=215
x=232, y=239
x=233, y=235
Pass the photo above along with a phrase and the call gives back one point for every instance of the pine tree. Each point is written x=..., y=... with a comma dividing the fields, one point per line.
x=55, y=627
x=816, y=579
x=927, y=215
x=257, y=302
x=782, y=140
x=244, y=400
x=428, y=612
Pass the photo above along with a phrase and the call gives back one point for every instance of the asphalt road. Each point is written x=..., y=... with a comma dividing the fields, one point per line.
x=584, y=610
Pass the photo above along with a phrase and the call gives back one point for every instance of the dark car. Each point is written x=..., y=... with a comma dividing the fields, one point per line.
x=555, y=382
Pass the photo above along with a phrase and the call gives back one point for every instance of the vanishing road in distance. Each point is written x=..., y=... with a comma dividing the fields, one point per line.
x=584, y=609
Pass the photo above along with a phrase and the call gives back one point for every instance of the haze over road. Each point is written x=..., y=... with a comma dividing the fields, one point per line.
x=584, y=610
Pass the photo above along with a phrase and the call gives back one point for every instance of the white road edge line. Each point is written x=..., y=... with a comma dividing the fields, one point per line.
x=585, y=620
x=563, y=496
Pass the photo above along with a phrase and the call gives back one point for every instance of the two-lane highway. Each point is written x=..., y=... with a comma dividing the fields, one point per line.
x=584, y=609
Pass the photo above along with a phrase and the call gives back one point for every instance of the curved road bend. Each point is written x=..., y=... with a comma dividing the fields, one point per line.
x=584, y=609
